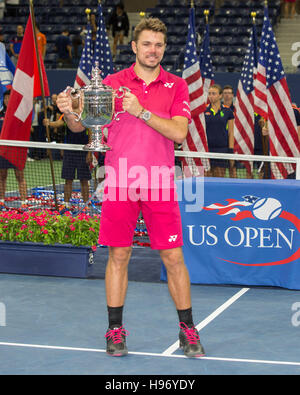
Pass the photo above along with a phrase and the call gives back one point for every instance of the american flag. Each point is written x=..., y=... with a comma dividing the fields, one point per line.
x=102, y=53
x=85, y=65
x=273, y=102
x=244, y=104
x=206, y=66
x=196, y=139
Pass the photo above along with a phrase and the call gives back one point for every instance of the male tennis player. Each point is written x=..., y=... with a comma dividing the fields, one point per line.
x=142, y=148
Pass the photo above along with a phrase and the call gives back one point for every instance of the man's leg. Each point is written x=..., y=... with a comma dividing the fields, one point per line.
x=116, y=282
x=178, y=277
x=84, y=185
x=116, y=278
x=179, y=287
x=3, y=178
x=68, y=190
x=22, y=184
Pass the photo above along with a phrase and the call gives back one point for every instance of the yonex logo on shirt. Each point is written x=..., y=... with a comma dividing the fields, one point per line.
x=173, y=238
x=169, y=84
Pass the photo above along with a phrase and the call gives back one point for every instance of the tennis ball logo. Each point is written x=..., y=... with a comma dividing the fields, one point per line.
x=267, y=208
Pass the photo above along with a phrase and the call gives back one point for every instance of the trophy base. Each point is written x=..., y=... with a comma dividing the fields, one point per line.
x=97, y=147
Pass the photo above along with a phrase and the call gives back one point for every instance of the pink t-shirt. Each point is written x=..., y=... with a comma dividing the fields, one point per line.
x=140, y=156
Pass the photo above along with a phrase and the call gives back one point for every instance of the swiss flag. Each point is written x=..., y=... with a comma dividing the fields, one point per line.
x=26, y=86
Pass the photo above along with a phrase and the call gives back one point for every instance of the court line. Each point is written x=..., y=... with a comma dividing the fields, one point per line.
x=208, y=319
x=245, y=360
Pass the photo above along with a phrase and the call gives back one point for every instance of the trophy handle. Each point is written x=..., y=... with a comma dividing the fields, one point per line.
x=122, y=90
x=74, y=94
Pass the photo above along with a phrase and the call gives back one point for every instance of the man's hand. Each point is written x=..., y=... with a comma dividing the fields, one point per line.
x=46, y=122
x=64, y=103
x=131, y=104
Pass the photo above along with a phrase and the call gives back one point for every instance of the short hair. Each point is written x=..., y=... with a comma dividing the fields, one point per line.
x=228, y=87
x=154, y=24
x=218, y=87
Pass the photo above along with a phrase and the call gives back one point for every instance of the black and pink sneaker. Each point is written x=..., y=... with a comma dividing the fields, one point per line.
x=189, y=341
x=116, y=341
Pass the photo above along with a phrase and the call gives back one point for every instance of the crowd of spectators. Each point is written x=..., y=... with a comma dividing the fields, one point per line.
x=67, y=48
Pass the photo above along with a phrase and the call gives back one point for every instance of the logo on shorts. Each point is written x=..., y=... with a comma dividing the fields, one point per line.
x=173, y=238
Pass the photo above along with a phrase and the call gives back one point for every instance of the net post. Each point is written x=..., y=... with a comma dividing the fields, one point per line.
x=298, y=169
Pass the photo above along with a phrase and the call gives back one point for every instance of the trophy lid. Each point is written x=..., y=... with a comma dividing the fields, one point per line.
x=96, y=81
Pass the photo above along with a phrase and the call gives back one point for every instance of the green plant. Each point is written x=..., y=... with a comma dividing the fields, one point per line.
x=46, y=227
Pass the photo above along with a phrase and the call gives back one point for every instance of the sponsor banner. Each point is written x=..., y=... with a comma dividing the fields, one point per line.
x=247, y=233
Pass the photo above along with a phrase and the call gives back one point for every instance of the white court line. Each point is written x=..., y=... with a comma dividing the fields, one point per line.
x=208, y=319
x=41, y=346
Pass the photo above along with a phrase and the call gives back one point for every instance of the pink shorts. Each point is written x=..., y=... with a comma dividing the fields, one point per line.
x=162, y=219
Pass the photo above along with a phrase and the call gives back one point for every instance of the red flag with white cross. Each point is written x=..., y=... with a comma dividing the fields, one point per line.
x=26, y=86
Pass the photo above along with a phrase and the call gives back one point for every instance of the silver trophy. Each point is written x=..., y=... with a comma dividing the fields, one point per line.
x=97, y=106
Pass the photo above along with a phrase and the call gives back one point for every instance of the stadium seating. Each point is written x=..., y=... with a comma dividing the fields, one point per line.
x=230, y=26
x=52, y=19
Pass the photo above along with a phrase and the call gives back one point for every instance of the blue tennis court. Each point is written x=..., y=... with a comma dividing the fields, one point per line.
x=57, y=325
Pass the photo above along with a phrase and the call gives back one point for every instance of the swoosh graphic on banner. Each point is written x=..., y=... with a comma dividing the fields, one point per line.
x=289, y=217
x=292, y=258
x=292, y=218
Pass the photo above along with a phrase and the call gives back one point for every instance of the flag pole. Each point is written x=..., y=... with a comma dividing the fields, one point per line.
x=88, y=17
x=43, y=98
x=206, y=14
x=267, y=169
x=89, y=130
x=264, y=139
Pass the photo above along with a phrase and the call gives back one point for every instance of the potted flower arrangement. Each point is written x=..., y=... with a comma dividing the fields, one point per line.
x=44, y=242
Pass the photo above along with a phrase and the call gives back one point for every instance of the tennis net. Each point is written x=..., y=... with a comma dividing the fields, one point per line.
x=56, y=175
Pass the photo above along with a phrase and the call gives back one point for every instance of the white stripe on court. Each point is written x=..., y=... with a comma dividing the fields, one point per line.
x=208, y=319
x=244, y=360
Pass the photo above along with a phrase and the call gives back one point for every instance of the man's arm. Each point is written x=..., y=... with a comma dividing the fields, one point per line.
x=64, y=103
x=174, y=129
x=231, y=133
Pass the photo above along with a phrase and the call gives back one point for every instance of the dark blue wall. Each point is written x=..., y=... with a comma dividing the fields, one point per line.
x=60, y=79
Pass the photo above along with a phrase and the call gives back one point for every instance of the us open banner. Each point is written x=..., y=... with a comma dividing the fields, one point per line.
x=246, y=233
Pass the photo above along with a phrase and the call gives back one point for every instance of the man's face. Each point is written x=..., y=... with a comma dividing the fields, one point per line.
x=54, y=99
x=227, y=96
x=149, y=48
x=214, y=95
x=6, y=100
x=20, y=30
